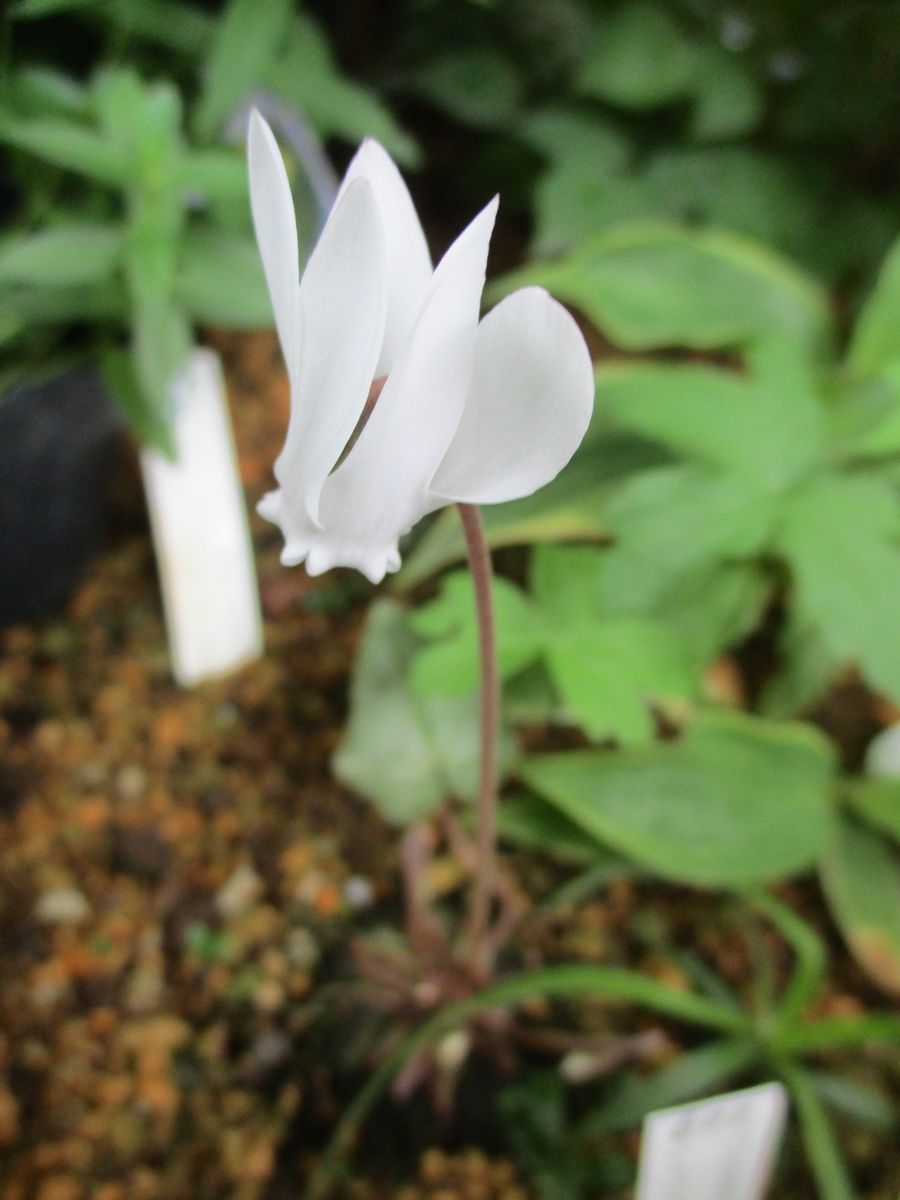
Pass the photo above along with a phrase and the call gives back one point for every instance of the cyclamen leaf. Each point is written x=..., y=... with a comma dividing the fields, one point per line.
x=855, y=522
x=610, y=673
x=876, y=801
x=735, y=801
x=450, y=665
x=771, y=430
x=674, y=522
x=406, y=753
x=876, y=338
x=654, y=285
x=861, y=877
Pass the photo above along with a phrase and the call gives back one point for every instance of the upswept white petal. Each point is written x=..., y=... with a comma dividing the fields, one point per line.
x=342, y=307
x=379, y=491
x=528, y=406
x=409, y=263
x=276, y=235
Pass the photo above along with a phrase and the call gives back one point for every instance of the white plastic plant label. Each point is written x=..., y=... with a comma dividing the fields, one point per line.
x=200, y=530
x=713, y=1149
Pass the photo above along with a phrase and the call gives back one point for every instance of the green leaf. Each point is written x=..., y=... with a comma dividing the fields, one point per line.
x=822, y=1148
x=149, y=426
x=105, y=301
x=876, y=336
x=526, y=820
x=143, y=122
x=864, y=420
x=306, y=75
x=567, y=582
x=728, y=102
x=565, y=135
x=639, y=59
x=449, y=664
x=853, y=521
x=67, y=256
x=404, y=752
x=758, y=193
x=771, y=430
x=672, y=523
x=861, y=878
x=832, y=1034
x=26, y=10
x=68, y=145
x=610, y=672
x=732, y=802
x=707, y=610
x=219, y=176
x=473, y=84
x=246, y=40
x=652, y=286
x=810, y=958
x=181, y=27
x=691, y=1076
x=856, y=1101
x=220, y=281
x=875, y=800
x=40, y=91
x=713, y=610
x=806, y=670
x=579, y=197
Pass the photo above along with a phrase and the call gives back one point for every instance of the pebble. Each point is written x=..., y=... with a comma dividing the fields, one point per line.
x=359, y=892
x=239, y=892
x=131, y=781
x=62, y=906
x=301, y=948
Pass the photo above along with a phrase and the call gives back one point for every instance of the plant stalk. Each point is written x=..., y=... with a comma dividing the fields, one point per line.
x=484, y=876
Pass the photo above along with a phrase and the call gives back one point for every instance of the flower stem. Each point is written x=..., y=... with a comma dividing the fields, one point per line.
x=484, y=876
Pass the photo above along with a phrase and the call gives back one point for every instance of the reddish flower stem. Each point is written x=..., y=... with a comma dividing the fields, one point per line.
x=485, y=871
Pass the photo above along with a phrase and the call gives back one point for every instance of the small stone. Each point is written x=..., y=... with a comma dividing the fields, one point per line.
x=301, y=948
x=62, y=906
x=239, y=892
x=269, y=996
x=131, y=781
x=358, y=892
x=270, y=1050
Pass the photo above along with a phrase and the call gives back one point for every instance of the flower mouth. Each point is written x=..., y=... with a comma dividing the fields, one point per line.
x=368, y=408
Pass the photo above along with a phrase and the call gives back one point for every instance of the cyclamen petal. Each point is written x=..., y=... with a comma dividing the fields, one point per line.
x=380, y=490
x=481, y=413
x=408, y=261
x=529, y=404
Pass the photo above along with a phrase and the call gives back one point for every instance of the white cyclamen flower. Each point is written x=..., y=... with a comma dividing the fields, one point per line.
x=479, y=412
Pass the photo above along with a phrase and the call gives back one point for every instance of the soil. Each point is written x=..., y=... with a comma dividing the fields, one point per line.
x=181, y=878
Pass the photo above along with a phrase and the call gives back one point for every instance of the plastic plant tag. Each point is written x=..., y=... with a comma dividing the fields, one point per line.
x=713, y=1149
x=201, y=534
